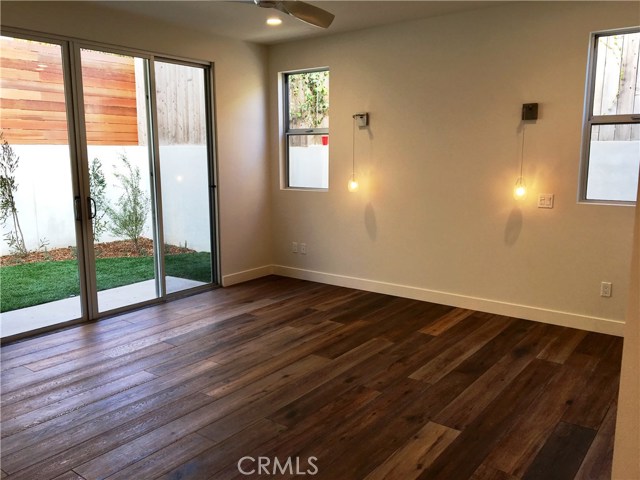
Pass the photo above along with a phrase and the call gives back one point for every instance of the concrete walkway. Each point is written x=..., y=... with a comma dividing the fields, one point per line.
x=52, y=313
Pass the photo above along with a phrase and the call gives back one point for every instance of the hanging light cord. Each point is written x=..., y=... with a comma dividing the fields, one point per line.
x=522, y=151
x=353, y=150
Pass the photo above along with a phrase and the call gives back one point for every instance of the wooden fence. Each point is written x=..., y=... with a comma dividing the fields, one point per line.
x=32, y=99
x=181, y=104
x=617, y=85
x=110, y=108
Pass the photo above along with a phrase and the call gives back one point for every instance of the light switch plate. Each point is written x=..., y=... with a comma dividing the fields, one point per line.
x=545, y=200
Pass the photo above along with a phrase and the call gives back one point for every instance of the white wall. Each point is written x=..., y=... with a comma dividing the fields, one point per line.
x=240, y=76
x=44, y=197
x=435, y=217
x=185, y=189
x=611, y=174
x=309, y=166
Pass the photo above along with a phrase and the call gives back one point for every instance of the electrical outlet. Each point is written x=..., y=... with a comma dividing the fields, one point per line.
x=605, y=289
x=294, y=247
x=303, y=248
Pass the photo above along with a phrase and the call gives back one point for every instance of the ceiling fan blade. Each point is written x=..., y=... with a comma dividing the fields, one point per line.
x=306, y=12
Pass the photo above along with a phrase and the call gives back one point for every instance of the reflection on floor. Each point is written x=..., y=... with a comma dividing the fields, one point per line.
x=52, y=313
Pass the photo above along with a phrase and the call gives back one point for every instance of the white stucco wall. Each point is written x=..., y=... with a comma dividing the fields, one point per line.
x=44, y=198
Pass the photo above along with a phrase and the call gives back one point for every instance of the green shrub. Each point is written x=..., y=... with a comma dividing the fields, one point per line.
x=129, y=214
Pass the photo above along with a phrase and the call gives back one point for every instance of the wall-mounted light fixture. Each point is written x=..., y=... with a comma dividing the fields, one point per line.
x=529, y=112
x=520, y=188
x=361, y=120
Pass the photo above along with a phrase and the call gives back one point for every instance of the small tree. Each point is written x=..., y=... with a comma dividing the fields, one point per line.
x=309, y=101
x=98, y=187
x=8, y=187
x=129, y=214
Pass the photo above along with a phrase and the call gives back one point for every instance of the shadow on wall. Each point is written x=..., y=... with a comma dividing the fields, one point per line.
x=513, y=227
x=370, y=221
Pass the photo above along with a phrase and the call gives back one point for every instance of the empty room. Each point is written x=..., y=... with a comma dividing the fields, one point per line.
x=344, y=240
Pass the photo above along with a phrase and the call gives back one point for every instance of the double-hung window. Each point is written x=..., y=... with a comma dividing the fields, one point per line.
x=306, y=128
x=611, y=130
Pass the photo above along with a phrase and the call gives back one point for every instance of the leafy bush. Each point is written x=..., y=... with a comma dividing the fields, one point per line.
x=309, y=101
x=98, y=187
x=129, y=214
x=8, y=187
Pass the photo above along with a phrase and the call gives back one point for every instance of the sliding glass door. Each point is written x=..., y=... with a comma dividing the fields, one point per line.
x=39, y=270
x=121, y=189
x=184, y=153
x=106, y=181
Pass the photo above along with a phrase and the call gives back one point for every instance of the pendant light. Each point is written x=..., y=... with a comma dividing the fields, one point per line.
x=353, y=184
x=362, y=120
x=520, y=188
x=529, y=112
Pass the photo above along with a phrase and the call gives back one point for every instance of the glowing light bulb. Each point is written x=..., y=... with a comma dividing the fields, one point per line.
x=353, y=185
x=274, y=21
x=520, y=189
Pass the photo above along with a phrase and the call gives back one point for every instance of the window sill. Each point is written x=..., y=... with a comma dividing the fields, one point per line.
x=304, y=189
x=607, y=203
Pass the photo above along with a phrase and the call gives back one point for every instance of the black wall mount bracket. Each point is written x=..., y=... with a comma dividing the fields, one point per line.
x=529, y=111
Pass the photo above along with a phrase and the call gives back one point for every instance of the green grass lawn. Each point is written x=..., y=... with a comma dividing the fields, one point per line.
x=42, y=282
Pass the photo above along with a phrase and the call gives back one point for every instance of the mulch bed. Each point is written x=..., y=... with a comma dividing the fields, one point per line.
x=119, y=248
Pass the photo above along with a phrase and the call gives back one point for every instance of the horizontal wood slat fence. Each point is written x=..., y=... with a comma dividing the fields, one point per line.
x=33, y=107
x=32, y=98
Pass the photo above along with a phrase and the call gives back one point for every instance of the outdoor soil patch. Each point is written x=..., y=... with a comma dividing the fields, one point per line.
x=119, y=248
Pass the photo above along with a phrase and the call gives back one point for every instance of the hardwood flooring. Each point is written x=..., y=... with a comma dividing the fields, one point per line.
x=346, y=384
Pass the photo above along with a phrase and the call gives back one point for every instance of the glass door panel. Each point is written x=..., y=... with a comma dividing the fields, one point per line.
x=120, y=182
x=39, y=271
x=184, y=165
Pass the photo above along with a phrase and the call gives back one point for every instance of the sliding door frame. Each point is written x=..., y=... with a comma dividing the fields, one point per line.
x=212, y=166
x=156, y=208
x=78, y=188
x=154, y=152
x=78, y=151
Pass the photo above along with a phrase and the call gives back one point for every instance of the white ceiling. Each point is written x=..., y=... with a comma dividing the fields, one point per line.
x=245, y=21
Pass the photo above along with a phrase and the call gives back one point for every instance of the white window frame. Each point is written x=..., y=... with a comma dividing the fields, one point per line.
x=297, y=131
x=590, y=120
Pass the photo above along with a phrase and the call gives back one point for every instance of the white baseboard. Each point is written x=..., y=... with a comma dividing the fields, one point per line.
x=564, y=319
x=245, y=276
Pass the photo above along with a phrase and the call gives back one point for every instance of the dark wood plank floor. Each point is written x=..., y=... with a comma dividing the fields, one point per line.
x=349, y=385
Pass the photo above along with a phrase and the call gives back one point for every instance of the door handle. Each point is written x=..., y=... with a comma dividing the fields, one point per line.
x=91, y=206
x=76, y=208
